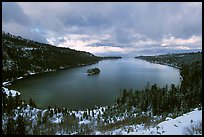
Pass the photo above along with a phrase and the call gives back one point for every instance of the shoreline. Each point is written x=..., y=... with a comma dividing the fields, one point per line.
x=170, y=65
x=161, y=63
x=8, y=83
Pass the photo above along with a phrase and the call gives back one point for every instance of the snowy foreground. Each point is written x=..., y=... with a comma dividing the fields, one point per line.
x=8, y=92
x=170, y=126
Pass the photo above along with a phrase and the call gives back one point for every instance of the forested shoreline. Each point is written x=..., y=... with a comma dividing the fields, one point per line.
x=148, y=106
x=23, y=57
x=178, y=99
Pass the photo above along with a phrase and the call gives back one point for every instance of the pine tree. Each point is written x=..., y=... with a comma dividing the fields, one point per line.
x=32, y=103
x=51, y=113
x=4, y=101
x=2, y=132
x=10, y=127
x=85, y=115
x=36, y=130
x=92, y=113
x=20, y=125
x=10, y=104
x=17, y=101
x=45, y=118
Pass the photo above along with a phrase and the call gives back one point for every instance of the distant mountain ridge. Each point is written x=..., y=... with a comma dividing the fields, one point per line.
x=176, y=60
x=22, y=57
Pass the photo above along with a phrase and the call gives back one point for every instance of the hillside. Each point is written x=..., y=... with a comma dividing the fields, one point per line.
x=152, y=110
x=20, y=118
x=190, y=66
x=21, y=57
x=176, y=60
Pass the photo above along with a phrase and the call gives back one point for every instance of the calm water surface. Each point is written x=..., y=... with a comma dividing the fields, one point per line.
x=73, y=89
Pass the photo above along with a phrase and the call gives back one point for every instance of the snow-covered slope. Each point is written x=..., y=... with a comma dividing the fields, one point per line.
x=168, y=127
x=8, y=92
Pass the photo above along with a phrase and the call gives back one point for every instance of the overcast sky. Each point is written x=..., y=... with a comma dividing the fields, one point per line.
x=125, y=29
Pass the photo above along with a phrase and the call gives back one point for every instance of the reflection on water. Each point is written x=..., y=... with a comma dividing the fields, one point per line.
x=72, y=87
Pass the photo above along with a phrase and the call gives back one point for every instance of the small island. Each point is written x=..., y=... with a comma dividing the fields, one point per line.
x=93, y=71
x=111, y=57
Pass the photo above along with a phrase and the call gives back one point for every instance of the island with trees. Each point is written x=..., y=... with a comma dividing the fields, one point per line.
x=93, y=71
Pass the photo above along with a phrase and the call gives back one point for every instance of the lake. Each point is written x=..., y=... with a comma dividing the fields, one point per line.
x=74, y=89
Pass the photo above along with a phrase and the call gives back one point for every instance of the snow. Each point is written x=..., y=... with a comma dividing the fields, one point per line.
x=97, y=133
x=177, y=125
x=84, y=122
x=20, y=78
x=43, y=112
x=27, y=48
x=7, y=91
x=74, y=133
x=181, y=78
x=168, y=127
x=62, y=67
x=61, y=133
x=79, y=114
x=57, y=118
x=6, y=83
x=168, y=118
x=171, y=126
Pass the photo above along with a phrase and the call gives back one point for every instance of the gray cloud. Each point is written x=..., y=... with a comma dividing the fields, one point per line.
x=12, y=12
x=127, y=23
x=15, y=21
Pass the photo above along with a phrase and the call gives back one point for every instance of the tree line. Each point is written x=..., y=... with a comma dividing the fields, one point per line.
x=153, y=100
x=21, y=56
x=177, y=99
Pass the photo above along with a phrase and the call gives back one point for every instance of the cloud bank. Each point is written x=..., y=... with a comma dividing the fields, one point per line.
x=109, y=28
